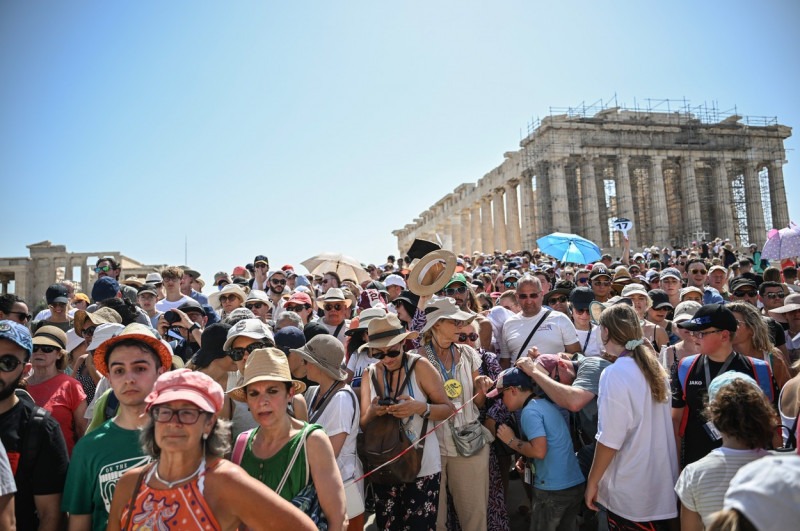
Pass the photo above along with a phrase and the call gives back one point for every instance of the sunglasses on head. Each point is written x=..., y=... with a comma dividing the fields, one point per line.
x=379, y=354
x=452, y=291
x=8, y=363
x=336, y=307
x=472, y=336
x=47, y=349
x=237, y=353
x=256, y=305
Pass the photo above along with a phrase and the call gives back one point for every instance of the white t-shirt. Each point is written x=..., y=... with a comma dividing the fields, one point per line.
x=702, y=484
x=7, y=483
x=339, y=416
x=164, y=305
x=638, y=483
x=344, y=328
x=553, y=335
x=359, y=361
x=594, y=345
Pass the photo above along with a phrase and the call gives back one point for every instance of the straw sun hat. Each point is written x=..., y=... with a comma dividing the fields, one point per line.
x=265, y=364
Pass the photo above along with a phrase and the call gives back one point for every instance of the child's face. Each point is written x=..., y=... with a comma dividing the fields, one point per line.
x=511, y=398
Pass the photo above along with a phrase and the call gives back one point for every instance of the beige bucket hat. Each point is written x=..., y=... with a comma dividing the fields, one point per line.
x=265, y=364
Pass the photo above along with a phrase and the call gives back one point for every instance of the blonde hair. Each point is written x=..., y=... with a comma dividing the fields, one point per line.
x=753, y=321
x=622, y=323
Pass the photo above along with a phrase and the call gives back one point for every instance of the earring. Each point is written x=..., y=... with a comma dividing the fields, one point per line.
x=205, y=436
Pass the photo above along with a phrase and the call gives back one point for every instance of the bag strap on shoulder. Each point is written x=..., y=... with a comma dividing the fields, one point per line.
x=763, y=376
x=240, y=445
x=685, y=367
x=535, y=328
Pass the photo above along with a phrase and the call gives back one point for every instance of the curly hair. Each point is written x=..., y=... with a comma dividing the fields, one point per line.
x=217, y=444
x=742, y=411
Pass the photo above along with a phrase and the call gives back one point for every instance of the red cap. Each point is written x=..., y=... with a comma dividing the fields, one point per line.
x=299, y=297
x=239, y=270
x=287, y=267
x=192, y=386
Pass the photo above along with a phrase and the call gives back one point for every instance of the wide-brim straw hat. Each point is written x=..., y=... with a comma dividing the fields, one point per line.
x=51, y=336
x=213, y=299
x=386, y=331
x=327, y=353
x=333, y=295
x=265, y=365
x=432, y=272
x=98, y=317
x=444, y=308
x=138, y=332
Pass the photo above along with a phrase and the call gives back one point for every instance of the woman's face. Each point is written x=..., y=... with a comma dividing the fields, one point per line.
x=174, y=435
x=640, y=303
x=268, y=401
x=390, y=357
x=230, y=302
x=402, y=314
x=446, y=331
x=743, y=334
x=581, y=317
x=244, y=342
x=45, y=356
x=658, y=315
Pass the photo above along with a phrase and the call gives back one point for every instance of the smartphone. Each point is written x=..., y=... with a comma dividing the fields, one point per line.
x=386, y=401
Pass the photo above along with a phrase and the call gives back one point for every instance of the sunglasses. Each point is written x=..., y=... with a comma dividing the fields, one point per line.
x=237, y=353
x=775, y=295
x=601, y=283
x=583, y=280
x=47, y=349
x=226, y=298
x=681, y=264
x=337, y=307
x=255, y=305
x=104, y=269
x=297, y=308
x=185, y=416
x=558, y=300
x=22, y=315
x=580, y=310
x=522, y=296
x=89, y=332
x=452, y=291
x=262, y=265
x=276, y=281
x=701, y=335
x=698, y=271
x=379, y=354
x=510, y=283
x=9, y=363
x=744, y=293
x=472, y=336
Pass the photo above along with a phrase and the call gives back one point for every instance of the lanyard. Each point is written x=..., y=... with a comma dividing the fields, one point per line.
x=587, y=338
x=320, y=404
x=397, y=385
x=725, y=365
x=451, y=374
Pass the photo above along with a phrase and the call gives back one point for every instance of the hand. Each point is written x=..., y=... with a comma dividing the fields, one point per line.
x=378, y=410
x=533, y=352
x=565, y=356
x=520, y=465
x=162, y=325
x=185, y=322
x=406, y=407
x=505, y=434
x=423, y=300
x=483, y=384
x=590, y=496
x=526, y=365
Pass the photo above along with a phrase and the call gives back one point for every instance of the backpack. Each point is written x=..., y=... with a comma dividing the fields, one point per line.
x=384, y=438
x=761, y=373
x=31, y=443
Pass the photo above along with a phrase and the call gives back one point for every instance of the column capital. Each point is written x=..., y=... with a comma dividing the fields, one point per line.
x=511, y=183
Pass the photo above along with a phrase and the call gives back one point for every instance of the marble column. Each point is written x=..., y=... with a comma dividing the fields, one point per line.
x=658, y=202
x=543, y=219
x=756, y=227
x=487, y=238
x=528, y=207
x=558, y=197
x=84, y=276
x=499, y=211
x=513, y=235
x=625, y=198
x=466, y=233
x=690, y=200
x=455, y=233
x=726, y=227
x=777, y=195
x=591, y=213
x=475, y=215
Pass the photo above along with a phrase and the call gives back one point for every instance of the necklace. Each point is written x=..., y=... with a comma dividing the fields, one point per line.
x=171, y=484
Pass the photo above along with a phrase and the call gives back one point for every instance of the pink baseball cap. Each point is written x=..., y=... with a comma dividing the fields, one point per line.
x=298, y=297
x=191, y=386
x=239, y=270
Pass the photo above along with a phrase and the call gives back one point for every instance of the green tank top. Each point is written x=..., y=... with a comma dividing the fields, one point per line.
x=270, y=471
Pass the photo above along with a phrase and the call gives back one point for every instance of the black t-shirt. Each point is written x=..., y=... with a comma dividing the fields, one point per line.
x=39, y=474
x=697, y=443
x=775, y=331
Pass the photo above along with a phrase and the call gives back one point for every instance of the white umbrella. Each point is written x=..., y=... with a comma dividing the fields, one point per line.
x=344, y=266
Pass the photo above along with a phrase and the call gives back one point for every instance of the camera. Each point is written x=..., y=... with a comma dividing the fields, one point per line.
x=171, y=317
x=386, y=401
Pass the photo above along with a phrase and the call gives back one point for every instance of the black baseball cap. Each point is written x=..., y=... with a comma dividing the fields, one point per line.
x=56, y=293
x=711, y=316
x=742, y=282
x=261, y=258
x=599, y=271
x=212, y=340
x=581, y=298
x=192, y=306
x=660, y=299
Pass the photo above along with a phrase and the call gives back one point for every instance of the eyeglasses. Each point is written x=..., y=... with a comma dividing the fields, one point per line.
x=701, y=335
x=256, y=305
x=510, y=283
x=297, y=308
x=47, y=349
x=9, y=363
x=262, y=265
x=88, y=332
x=336, y=307
x=582, y=280
x=452, y=291
x=522, y=296
x=744, y=293
x=226, y=298
x=485, y=307
x=379, y=354
x=472, y=336
x=237, y=353
x=681, y=264
x=185, y=416
x=58, y=304
x=775, y=295
x=698, y=271
x=276, y=281
x=558, y=300
x=580, y=310
x=104, y=269
x=22, y=315
x=601, y=283
x=170, y=280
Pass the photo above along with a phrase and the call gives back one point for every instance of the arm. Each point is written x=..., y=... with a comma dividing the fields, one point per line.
x=536, y=448
x=573, y=348
x=300, y=408
x=485, y=334
x=602, y=458
x=337, y=441
x=480, y=384
x=661, y=336
x=83, y=522
x=350, y=375
x=566, y=396
x=8, y=519
x=626, y=250
x=78, y=417
x=49, y=508
x=677, y=419
x=369, y=407
x=122, y=494
x=690, y=520
x=327, y=480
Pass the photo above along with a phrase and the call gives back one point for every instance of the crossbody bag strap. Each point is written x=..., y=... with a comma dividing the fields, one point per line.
x=323, y=405
x=535, y=328
x=414, y=361
x=338, y=329
x=132, y=503
x=294, y=458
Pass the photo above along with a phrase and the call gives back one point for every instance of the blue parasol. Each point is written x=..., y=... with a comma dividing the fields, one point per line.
x=569, y=248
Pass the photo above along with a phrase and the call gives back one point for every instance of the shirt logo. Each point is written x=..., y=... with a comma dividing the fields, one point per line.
x=110, y=473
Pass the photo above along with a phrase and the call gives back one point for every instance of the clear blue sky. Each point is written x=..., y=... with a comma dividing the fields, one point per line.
x=303, y=127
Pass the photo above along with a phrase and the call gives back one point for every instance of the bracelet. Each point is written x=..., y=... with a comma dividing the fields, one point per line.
x=511, y=441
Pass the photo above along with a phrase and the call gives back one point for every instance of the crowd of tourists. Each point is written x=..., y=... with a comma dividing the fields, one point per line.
x=654, y=390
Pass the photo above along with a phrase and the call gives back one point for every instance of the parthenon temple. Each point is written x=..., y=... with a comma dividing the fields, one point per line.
x=679, y=176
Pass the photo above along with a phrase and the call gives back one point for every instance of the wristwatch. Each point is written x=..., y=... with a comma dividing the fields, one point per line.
x=427, y=411
x=192, y=328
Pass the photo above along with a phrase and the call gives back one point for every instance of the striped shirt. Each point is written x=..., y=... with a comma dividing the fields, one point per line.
x=702, y=484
